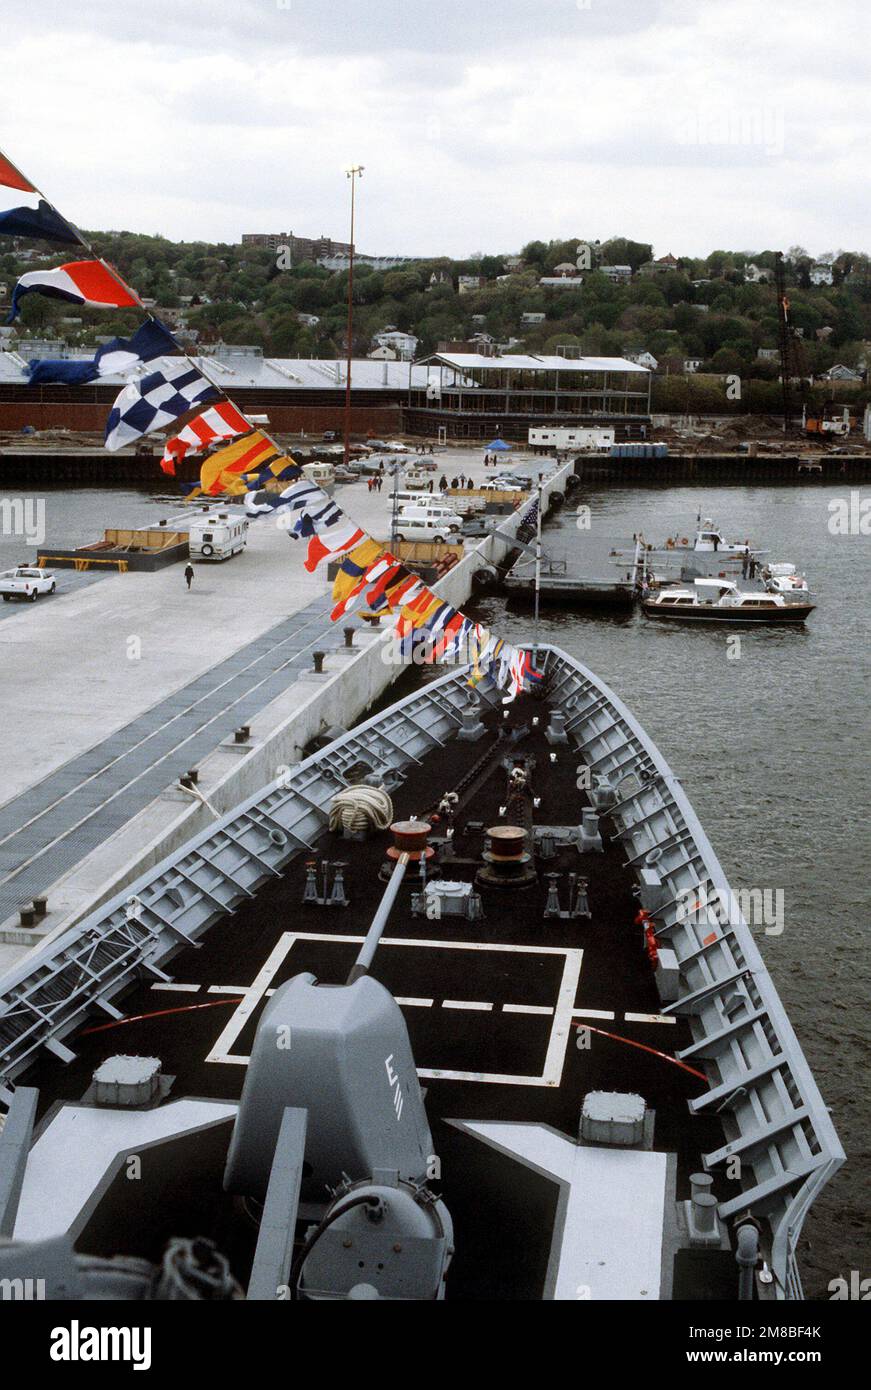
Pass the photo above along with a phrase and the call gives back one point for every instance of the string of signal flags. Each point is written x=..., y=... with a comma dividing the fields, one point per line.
x=164, y=387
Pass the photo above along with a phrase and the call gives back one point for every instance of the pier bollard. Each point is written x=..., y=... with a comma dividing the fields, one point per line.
x=700, y=1184
x=40, y=905
x=556, y=729
x=193, y=775
x=318, y=659
x=242, y=734
x=349, y=636
x=27, y=916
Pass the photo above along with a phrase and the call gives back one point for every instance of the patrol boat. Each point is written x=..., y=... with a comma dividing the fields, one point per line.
x=459, y=1007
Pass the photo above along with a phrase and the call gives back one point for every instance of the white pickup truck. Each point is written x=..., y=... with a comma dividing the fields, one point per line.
x=26, y=582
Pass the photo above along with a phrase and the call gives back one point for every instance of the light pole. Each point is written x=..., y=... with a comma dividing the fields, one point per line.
x=355, y=172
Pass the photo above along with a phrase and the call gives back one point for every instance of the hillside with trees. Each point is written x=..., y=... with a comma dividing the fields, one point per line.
x=716, y=312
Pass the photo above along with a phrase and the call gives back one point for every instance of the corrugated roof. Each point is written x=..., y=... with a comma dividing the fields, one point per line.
x=472, y=361
x=273, y=374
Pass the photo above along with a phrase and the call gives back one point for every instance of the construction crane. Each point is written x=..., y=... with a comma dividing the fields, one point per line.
x=786, y=340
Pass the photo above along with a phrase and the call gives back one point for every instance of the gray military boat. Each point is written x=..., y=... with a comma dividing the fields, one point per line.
x=460, y=1007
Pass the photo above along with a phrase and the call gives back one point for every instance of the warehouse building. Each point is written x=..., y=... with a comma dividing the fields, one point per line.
x=472, y=396
x=296, y=393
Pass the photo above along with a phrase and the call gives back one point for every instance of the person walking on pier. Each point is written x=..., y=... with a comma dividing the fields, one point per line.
x=745, y=564
x=189, y=575
x=443, y=483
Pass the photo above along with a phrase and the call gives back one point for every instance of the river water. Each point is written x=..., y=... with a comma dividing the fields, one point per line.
x=772, y=747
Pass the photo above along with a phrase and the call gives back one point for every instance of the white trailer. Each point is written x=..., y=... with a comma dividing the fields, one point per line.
x=553, y=440
x=218, y=536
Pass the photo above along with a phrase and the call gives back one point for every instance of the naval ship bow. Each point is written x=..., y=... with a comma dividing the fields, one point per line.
x=457, y=1007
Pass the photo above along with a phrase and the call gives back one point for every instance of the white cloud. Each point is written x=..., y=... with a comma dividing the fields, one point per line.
x=690, y=125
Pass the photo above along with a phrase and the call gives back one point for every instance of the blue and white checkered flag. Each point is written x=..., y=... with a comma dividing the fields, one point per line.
x=155, y=400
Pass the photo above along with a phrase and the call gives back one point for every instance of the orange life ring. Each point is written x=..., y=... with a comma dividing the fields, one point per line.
x=684, y=540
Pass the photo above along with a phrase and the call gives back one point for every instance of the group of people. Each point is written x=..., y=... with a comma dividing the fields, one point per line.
x=461, y=482
x=749, y=565
x=376, y=484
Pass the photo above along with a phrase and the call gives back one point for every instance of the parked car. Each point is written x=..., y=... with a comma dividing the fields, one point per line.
x=498, y=485
x=26, y=582
x=330, y=436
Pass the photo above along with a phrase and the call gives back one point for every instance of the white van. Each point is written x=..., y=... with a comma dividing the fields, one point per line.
x=422, y=511
x=417, y=524
x=407, y=498
x=217, y=537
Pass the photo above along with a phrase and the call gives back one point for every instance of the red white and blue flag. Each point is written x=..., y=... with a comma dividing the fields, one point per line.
x=30, y=215
x=90, y=283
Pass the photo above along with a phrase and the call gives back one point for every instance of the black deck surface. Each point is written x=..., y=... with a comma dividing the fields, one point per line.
x=502, y=1211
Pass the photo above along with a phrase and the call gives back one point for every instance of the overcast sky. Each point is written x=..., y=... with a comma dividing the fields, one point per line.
x=694, y=124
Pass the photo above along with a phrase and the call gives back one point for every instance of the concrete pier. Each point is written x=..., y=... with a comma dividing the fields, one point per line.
x=119, y=687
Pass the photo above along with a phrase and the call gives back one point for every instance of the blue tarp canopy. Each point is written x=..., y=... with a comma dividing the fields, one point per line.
x=497, y=444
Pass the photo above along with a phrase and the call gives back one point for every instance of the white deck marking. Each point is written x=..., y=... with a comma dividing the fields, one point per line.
x=562, y=1019
x=252, y=996
x=251, y=999
x=608, y=1244
x=592, y=1013
x=410, y=1003
x=181, y=989
x=467, y=1004
x=544, y=1009
x=649, y=1018
x=79, y=1148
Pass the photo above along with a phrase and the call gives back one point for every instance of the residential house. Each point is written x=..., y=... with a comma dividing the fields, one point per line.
x=768, y=354
x=659, y=267
x=841, y=373
x=755, y=274
x=691, y=364
x=527, y=320
x=644, y=359
x=468, y=284
x=403, y=344
x=617, y=274
x=821, y=274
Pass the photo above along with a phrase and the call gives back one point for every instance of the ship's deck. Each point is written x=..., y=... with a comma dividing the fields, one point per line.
x=494, y=1008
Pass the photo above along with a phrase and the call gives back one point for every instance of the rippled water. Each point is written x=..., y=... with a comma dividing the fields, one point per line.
x=773, y=751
